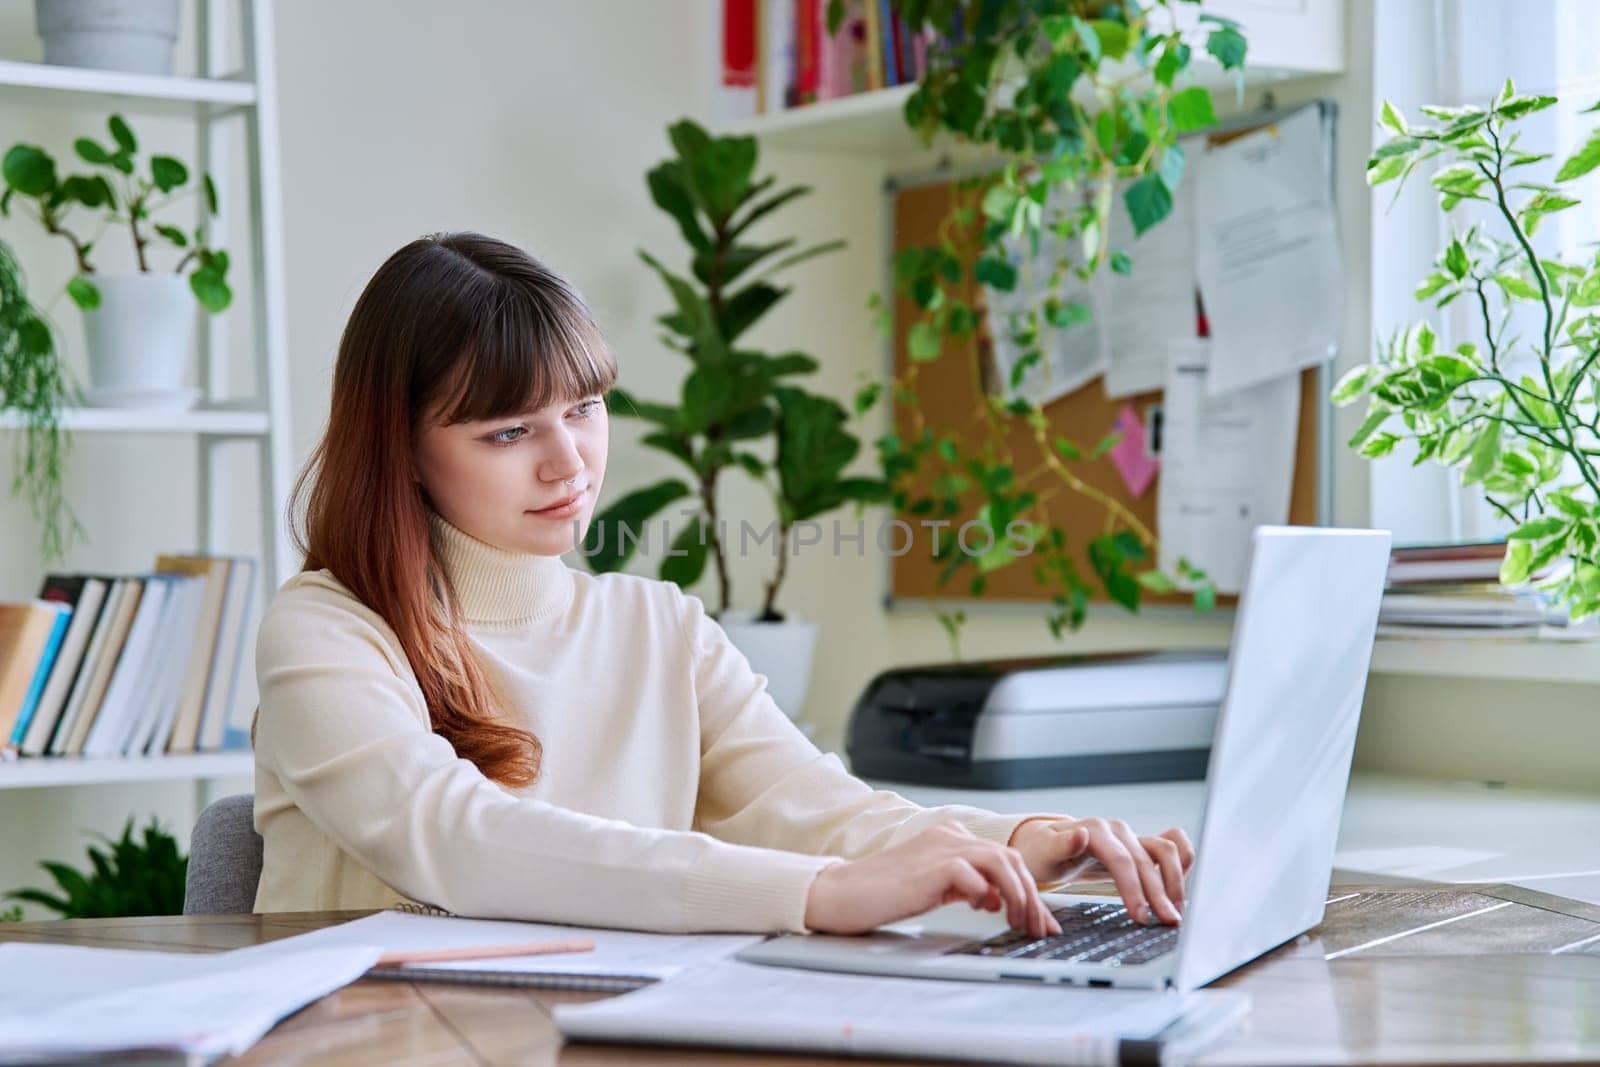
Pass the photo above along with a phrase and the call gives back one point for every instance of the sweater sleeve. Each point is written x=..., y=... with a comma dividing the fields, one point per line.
x=344, y=727
x=763, y=783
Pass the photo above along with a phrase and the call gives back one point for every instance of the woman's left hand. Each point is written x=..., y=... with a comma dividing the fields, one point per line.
x=1148, y=871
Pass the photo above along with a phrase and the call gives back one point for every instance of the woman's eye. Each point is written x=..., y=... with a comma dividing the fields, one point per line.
x=500, y=438
x=587, y=407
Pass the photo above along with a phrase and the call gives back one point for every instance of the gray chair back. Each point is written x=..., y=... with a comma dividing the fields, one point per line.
x=224, y=859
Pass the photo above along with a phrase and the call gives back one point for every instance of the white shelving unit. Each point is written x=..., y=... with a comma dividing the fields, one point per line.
x=1284, y=45
x=215, y=97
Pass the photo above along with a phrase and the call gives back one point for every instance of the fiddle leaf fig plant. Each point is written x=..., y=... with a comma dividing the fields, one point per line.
x=1080, y=104
x=122, y=196
x=1517, y=413
x=735, y=398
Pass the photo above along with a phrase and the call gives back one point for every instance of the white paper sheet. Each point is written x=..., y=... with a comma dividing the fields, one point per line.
x=72, y=999
x=623, y=952
x=1267, y=245
x=1144, y=312
x=1073, y=355
x=1227, y=465
x=748, y=1005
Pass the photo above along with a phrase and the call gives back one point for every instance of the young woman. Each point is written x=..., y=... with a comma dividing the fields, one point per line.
x=451, y=715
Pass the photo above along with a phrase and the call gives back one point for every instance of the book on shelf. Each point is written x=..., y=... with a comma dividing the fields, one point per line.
x=776, y=55
x=135, y=665
x=1474, y=561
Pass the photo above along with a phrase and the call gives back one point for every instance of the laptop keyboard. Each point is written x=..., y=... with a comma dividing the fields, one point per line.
x=1090, y=933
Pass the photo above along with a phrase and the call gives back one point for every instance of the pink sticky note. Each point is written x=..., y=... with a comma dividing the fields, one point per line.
x=1136, y=466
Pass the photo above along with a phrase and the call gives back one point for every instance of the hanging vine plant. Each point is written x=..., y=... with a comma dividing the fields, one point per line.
x=1077, y=99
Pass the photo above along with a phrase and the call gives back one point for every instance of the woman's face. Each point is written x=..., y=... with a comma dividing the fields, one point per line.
x=497, y=480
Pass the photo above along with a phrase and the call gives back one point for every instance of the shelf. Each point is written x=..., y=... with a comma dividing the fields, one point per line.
x=1511, y=658
x=26, y=773
x=873, y=122
x=221, y=422
x=151, y=93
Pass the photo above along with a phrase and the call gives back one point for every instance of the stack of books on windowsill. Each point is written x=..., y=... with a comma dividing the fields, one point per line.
x=1454, y=591
x=136, y=665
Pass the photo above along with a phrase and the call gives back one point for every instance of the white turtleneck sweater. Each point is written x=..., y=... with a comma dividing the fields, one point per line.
x=674, y=794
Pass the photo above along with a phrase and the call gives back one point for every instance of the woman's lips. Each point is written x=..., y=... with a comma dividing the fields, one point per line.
x=563, y=510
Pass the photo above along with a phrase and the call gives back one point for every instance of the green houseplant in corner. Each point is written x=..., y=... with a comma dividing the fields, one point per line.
x=136, y=877
x=1517, y=413
x=734, y=400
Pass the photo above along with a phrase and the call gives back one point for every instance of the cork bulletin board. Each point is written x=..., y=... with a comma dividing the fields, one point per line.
x=948, y=391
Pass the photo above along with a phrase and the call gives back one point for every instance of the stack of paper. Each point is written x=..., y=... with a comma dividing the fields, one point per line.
x=745, y=1005
x=72, y=1000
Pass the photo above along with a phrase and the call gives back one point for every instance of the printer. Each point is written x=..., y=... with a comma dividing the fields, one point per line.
x=1046, y=721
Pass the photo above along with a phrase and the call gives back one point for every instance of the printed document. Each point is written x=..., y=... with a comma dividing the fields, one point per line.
x=1227, y=465
x=1267, y=245
x=1147, y=310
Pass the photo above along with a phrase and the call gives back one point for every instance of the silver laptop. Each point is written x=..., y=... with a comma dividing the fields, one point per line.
x=1275, y=786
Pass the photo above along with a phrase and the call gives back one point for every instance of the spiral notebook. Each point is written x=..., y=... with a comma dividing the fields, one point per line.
x=622, y=960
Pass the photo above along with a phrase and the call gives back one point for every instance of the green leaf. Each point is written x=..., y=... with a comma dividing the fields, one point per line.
x=1192, y=109
x=173, y=234
x=29, y=170
x=1088, y=40
x=211, y=195
x=1538, y=529
x=1455, y=259
x=122, y=134
x=1391, y=118
x=84, y=293
x=694, y=544
x=1227, y=46
x=616, y=533
x=1379, y=445
x=208, y=285
x=1582, y=161
x=1156, y=582
x=1517, y=287
x=924, y=343
x=1113, y=37
x=1514, y=567
x=167, y=173
x=90, y=151
x=1351, y=385
x=1485, y=452
x=670, y=192
x=1148, y=202
x=996, y=273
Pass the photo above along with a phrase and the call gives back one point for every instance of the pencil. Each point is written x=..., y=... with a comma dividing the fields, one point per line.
x=484, y=952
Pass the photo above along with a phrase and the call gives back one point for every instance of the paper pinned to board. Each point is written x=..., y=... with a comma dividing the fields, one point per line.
x=1149, y=309
x=1227, y=465
x=1267, y=247
x=1072, y=355
x=746, y=1005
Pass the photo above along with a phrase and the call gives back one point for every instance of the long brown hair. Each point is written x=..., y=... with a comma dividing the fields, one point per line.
x=483, y=330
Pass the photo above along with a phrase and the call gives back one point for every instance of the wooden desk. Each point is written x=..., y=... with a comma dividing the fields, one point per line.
x=1395, y=975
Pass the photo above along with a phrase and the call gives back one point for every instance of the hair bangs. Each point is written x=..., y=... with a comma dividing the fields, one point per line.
x=531, y=352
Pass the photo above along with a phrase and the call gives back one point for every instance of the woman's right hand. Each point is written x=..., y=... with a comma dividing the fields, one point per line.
x=941, y=865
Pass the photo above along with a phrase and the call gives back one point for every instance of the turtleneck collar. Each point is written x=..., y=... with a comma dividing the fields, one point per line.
x=499, y=588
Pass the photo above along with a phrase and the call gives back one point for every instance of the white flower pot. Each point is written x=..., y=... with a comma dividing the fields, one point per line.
x=140, y=338
x=132, y=35
x=779, y=650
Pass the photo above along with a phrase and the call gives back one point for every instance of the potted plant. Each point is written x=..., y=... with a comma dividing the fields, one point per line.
x=37, y=385
x=137, y=877
x=109, y=34
x=1079, y=104
x=733, y=399
x=139, y=326
x=1517, y=413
